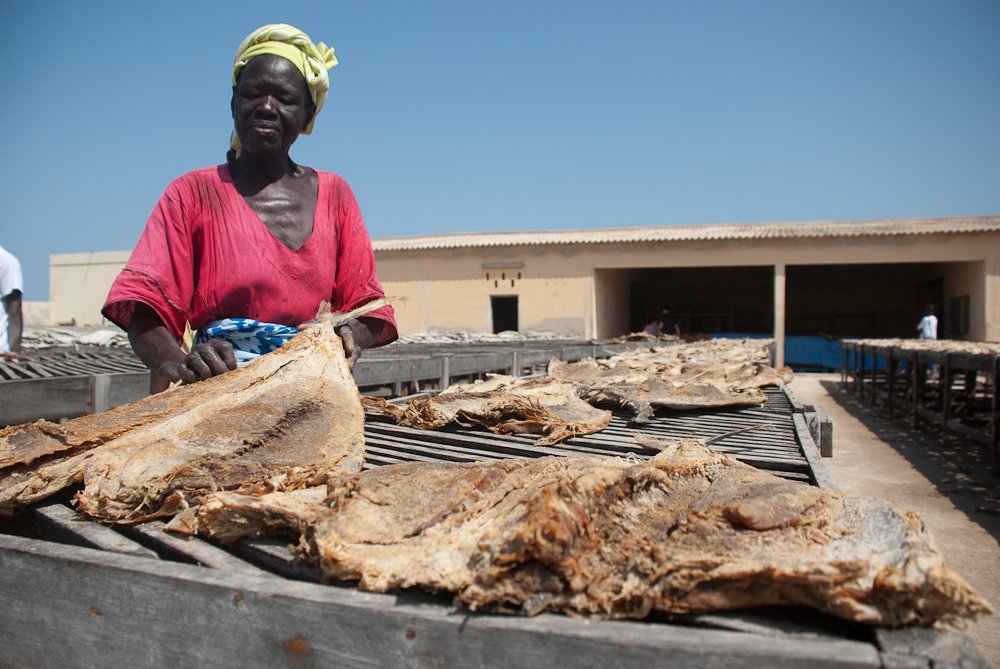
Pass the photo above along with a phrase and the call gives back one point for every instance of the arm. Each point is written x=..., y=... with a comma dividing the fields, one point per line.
x=15, y=320
x=158, y=349
x=356, y=283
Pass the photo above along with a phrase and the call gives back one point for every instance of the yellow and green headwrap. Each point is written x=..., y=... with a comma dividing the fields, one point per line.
x=290, y=43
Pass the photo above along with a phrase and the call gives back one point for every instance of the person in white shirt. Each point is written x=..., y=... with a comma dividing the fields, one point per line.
x=11, y=287
x=927, y=327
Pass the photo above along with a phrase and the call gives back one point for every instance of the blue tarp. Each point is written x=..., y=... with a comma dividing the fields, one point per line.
x=802, y=352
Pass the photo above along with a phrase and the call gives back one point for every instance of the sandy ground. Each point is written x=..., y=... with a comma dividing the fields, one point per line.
x=946, y=479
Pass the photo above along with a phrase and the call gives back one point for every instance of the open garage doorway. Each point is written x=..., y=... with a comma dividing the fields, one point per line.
x=705, y=300
x=830, y=302
x=875, y=300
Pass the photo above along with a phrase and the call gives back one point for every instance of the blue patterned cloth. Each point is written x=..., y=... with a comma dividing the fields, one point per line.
x=248, y=337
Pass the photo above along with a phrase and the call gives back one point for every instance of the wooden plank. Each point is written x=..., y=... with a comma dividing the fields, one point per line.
x=462, y=365
x=428, y=455
x=28, y=400
x=276, y=557
x=38, y=370
x=575, y=353
x=370, y=372
x=781, y=445
x=60, y=523
x=128, y=387
x=70, y=366
x=500, y=443
x=12, y=370
x=59, y=397
x=819, y=471
x=825, y=441
x=189, y=549
x=117, y=364
x=190, y=616
x=937, y=648
x=532, y=358
x=797, y=407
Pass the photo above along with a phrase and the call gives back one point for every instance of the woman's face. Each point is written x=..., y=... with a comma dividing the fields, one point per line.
x=270, y=105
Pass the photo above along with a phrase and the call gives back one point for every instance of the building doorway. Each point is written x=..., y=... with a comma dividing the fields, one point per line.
x=504, y=308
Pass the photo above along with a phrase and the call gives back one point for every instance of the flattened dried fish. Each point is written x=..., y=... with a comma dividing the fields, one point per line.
x=687, y=531
x=294, y=413
x=505, y=405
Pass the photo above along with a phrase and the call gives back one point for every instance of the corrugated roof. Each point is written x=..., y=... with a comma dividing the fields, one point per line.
x=687, y=233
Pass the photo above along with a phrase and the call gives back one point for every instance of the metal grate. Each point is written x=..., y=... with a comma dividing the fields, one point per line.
x=772, y=444
x=61, y=362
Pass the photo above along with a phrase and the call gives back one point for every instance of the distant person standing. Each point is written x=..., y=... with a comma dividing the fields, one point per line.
x=927, y=327
x=11, y=287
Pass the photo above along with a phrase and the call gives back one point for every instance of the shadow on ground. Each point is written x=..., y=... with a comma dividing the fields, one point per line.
x=958, y=467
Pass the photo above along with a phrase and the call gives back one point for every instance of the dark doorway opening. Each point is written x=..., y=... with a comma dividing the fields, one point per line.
x=705, y=300
x=870, y=300
x=504, y=308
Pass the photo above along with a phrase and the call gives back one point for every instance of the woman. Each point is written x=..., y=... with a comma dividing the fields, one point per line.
x=247, y=250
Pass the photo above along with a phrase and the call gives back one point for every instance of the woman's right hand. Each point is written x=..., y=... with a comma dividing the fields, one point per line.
x=168, y=363
x=205, y=360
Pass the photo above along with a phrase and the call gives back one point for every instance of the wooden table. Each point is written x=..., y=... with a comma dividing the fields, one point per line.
x=79, y=594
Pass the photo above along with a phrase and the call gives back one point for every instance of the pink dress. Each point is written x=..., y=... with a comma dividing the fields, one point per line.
x=205, y=255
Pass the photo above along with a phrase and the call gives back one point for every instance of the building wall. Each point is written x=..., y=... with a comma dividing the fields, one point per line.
x=611, y=295
x=583, y=289
x=600, y=273
x=963, y=280
x=37, y=312
x=79, y=284
x=561, y=305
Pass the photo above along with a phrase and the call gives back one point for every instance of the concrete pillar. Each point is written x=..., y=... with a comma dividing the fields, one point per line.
x=779, y=315
x=593, y=330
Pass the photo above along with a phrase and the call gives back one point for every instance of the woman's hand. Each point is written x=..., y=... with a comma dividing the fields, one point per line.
x=204, y=361
x=352, y=348
x=358, y=335
x=156, y=347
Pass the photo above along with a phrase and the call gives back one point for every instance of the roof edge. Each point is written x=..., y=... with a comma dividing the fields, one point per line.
x=953, y=225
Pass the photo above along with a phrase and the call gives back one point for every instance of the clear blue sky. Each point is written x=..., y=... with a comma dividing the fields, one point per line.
x=459, y=116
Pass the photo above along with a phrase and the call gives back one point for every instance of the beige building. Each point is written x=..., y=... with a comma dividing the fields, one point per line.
x=854, y=278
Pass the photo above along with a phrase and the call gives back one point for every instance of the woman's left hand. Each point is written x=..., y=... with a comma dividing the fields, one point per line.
x=352, y=349
x=359, y=334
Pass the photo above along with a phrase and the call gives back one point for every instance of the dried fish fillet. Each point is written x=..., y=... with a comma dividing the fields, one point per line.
x=687, y=531
x=295, y=412
x=700, y=375
x=505, y=405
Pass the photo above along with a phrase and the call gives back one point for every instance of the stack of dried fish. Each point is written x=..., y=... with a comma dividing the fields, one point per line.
x=935, y=345
x=47, y=336
x=705, y=374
